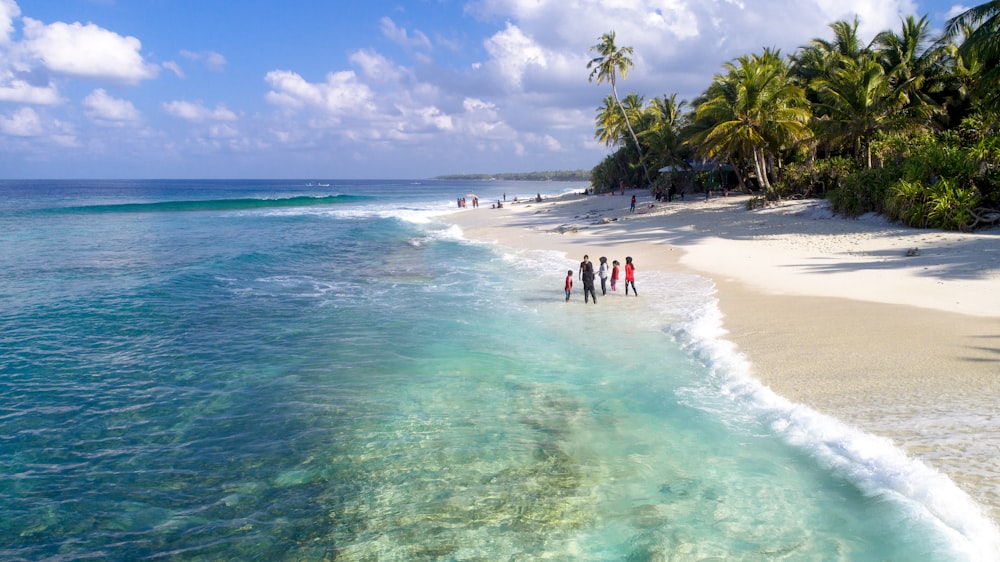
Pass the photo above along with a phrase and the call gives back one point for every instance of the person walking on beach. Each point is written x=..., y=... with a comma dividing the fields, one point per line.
x=614, y=275
x=569, y=283
x=587, y=276
x=602, y=272
x=630, y=276
x=631, y=209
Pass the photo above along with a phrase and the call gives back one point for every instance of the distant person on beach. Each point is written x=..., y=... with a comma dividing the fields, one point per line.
x=569, y=283
x=631, y=208
x=587, y=276
x=602, y=272
x=614, y=275
x=630, y=276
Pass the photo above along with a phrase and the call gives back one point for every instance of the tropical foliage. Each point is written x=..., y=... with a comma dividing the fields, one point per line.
x=907, y=125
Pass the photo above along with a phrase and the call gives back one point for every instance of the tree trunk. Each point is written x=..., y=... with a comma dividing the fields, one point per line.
x=635, y=139
x=760, y=166
x=739, y=176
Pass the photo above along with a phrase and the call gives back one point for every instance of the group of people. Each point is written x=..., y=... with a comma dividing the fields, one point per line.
x=587, y=274
x=462, y=202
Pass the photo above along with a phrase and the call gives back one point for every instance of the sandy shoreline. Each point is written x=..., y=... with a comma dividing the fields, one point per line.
x=872, y=323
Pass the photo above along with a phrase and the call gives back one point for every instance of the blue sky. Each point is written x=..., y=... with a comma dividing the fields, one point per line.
x=373, y=89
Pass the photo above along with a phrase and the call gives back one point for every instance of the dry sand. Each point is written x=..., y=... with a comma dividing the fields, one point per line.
x=891, y=329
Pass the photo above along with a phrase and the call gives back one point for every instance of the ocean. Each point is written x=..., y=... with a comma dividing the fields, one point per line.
x=280, y=370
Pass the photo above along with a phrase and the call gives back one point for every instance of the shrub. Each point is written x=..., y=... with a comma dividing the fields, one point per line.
x=816, y=178
x=864, y=191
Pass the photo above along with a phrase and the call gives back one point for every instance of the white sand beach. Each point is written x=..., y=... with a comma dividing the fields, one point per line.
x=873, y=323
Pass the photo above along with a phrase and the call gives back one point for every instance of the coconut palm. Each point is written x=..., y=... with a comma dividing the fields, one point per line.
x=859, y=100
x=914, y=67
x=663, y=119
x=820, y=56
x=981, y=28
x=609, y=125
x=611, y=63
x=752, y=112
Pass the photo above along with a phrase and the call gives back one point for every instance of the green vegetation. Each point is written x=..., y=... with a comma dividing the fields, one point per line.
x=906, y=125
x=570, y=175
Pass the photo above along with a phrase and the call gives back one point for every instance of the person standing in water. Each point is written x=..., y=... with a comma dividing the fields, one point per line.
x=569, y=283
x=602, y=272
x=630, y=276
x=614, y=275
x=587, y=276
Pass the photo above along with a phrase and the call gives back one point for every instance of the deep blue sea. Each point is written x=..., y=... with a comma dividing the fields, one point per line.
x=271, y=370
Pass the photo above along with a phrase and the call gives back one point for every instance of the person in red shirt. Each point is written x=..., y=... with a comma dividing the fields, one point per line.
x=614, y=275
x=630, y=276
x=569, y=283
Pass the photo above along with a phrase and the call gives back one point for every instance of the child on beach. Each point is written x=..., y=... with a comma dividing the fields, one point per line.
x=630, y=275
x=569, y=283
x=614, y=275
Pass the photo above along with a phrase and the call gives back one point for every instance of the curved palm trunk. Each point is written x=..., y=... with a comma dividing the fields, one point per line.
x=635, y=139
x=739, y=175
x=760, y=166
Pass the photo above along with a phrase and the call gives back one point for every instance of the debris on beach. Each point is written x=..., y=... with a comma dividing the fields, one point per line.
x=912, y=252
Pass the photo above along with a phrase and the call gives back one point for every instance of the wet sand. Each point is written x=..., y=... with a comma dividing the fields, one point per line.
x=890, y=329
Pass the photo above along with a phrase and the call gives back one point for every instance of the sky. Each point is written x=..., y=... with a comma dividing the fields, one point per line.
x=339, y=89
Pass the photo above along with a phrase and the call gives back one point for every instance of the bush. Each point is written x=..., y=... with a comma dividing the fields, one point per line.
x=864, y=191
x=814, y=179
x=950, y=207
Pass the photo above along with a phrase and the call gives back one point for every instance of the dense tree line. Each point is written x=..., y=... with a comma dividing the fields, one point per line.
x=559, y=175
x=907, y=125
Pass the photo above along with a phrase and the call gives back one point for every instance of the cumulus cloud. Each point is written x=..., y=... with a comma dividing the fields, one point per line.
x=340, y=94
x=24, y=122
x=19, y=90
x=9, y=11
x=105, y=109
x=376, y=67
x=198, y=113
x=513, y=52
x=86, y=51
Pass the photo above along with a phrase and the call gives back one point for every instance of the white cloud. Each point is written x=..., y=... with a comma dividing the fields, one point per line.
x=513, y=52
x=173, y=67
x=198, y=113
x=19, y=90
x=86, y=51
x=401, y=36
x=376, y=67
x=105, y=109
x=24, y=122
x=9, y=11
x=212, y=60
x=341, y=94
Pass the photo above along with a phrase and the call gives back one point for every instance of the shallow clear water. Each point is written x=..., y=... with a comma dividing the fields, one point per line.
x=265, y=370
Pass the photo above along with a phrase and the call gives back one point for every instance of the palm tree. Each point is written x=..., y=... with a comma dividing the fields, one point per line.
x=662, y=132
x=609, y=125
x=753, y=112
x=981, y=26
x=859, y=100
x=914, y=67
x=611, y=63
x=821, y=57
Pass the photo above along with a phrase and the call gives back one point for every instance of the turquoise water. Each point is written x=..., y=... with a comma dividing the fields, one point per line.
x=266, y=370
